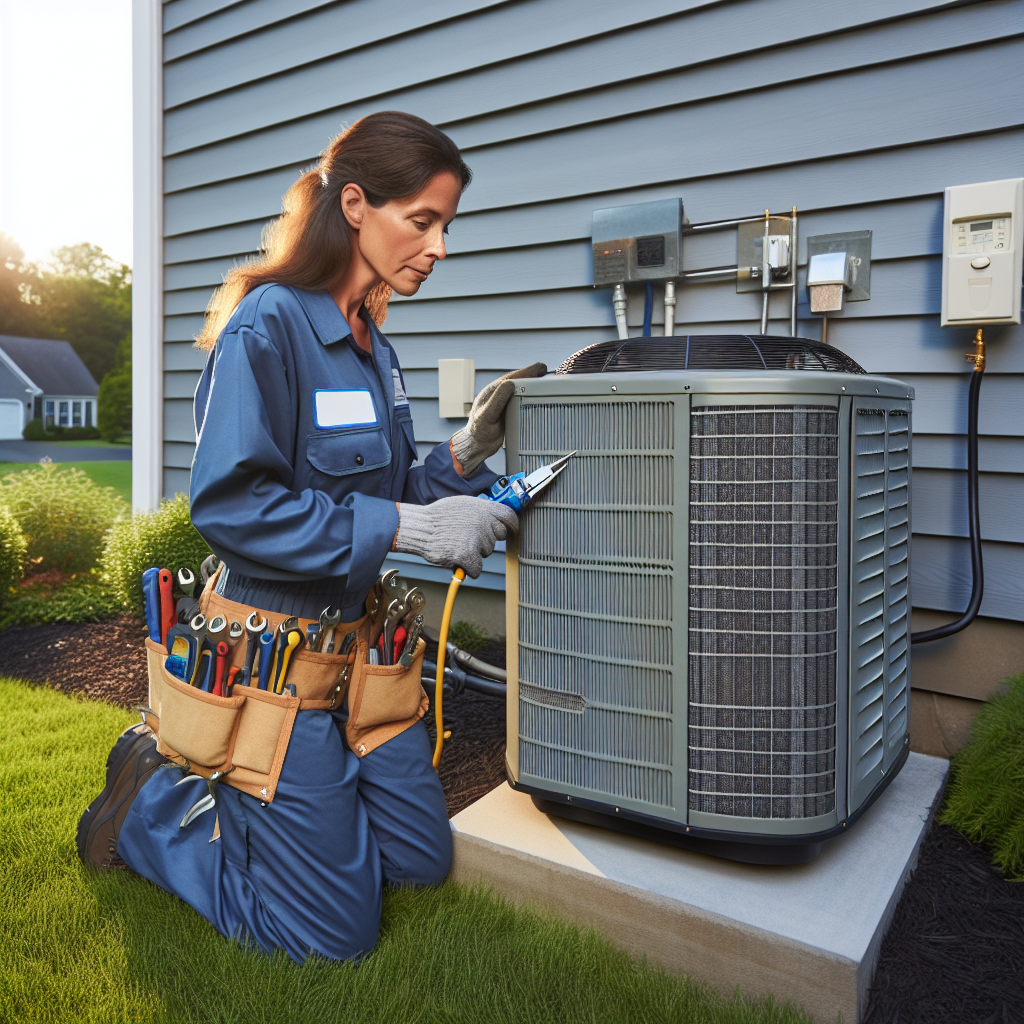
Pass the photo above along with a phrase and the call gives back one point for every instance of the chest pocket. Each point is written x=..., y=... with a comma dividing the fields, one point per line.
x=354, y=450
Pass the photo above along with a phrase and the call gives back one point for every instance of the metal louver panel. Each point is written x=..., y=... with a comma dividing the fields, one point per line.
x=595, y=600
x=880, y=572
x=763, y=590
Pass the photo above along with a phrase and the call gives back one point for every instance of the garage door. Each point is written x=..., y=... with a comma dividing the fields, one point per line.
x=12, y=419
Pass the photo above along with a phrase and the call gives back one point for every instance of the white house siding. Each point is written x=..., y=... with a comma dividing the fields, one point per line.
x=860, y=114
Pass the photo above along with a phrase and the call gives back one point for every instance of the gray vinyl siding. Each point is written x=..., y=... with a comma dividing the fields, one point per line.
x=860, y=114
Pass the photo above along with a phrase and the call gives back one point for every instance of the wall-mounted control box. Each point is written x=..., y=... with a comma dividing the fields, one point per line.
x=456, y=387
x=982, y=250
x=642, y=242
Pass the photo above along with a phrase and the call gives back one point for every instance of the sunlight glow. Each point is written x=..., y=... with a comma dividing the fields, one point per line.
x=66, y=124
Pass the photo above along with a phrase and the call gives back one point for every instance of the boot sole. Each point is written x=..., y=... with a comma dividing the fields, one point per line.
x=120, y=786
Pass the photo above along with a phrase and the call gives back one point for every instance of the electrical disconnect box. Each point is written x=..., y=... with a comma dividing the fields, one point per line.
x=641, y=242
x=982, y=243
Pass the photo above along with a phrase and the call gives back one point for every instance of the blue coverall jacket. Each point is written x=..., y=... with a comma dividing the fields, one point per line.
x=294, y=497
x=305, y=443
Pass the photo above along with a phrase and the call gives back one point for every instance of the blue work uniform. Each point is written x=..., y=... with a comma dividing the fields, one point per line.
x=304, y=445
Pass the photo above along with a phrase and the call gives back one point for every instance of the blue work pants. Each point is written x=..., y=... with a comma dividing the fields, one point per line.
x=303, y=873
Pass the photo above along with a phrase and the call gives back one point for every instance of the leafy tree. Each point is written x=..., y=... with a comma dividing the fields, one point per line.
x=82, y=296
x=17, y=316
x=114, y=405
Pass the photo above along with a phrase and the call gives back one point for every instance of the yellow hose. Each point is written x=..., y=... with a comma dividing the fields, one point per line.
x=442, y=656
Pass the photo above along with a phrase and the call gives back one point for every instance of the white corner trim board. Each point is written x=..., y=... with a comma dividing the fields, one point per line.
x=147, y=273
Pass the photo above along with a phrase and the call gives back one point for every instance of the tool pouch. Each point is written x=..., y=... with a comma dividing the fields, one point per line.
x=383, y=700
x=245, y=735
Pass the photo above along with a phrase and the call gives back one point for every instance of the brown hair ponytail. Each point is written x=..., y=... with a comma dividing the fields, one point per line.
x=390, y=155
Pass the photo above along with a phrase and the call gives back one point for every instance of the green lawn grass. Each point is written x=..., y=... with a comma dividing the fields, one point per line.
x=79, y=946
x=116, y=473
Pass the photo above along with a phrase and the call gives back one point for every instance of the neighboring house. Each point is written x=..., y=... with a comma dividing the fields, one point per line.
x=858, y=114
x=41, y=378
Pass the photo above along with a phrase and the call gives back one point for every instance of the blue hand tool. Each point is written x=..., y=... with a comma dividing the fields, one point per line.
x=151, y=593
x=266, y=659
x=519, y=489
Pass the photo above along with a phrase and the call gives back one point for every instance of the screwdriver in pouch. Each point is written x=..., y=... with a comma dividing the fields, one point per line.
x=288, y=644
x=266, y=659
x=151, y=594
x=223, y=652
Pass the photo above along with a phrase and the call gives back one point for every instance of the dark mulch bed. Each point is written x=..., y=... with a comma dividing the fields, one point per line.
x=106, y=660
x=953, y=955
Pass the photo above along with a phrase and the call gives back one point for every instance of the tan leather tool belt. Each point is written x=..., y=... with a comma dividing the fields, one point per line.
x=246, y=735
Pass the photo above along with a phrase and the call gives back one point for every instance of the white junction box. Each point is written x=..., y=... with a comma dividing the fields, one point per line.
x=982, y=249
x=456, y=387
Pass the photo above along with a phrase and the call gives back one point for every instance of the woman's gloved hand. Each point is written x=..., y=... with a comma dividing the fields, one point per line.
x=481, y=437
x=459, y=531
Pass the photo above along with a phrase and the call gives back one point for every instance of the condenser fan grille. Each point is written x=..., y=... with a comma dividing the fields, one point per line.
x=764, y=489
x=710, y=352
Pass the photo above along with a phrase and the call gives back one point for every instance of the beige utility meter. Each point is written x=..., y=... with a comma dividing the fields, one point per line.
x=982, y=249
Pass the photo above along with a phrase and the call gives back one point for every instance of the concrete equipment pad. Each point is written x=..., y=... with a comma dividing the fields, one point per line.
x=810, y=933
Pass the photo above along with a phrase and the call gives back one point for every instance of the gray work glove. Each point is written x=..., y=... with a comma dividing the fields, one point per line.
x=481, y=437
x=459, y=531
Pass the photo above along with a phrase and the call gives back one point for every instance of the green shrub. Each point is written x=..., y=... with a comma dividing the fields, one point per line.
x=34, y=431
x=12, y=552
x=85, y=597
x=63, y=514
x=78, y=434
x=985, y=800
x=114, y=404
x=164, y=538
x=469, y=637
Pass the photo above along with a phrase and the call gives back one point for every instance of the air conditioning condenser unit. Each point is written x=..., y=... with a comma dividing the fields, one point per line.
x=708, y=612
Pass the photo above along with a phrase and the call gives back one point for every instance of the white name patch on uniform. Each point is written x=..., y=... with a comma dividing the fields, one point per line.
x=400, y=396
x=343, y=408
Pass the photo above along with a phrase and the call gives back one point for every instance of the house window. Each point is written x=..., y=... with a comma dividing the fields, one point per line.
x=76, y=414
x=63, y=421
x=88, y=414
x=48, y=423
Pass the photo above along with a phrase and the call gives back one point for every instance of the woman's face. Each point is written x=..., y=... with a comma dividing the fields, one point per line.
x=403, y=239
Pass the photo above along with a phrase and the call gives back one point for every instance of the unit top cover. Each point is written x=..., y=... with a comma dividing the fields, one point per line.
x=710, y=352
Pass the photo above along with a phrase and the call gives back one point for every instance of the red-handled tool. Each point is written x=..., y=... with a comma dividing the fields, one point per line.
x=223, y=651
x=398, y=644
x=168, y=611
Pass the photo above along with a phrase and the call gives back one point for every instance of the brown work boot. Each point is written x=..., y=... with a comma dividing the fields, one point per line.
x=130, y=763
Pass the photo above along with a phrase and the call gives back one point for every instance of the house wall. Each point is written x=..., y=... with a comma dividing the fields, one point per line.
x=857, y=114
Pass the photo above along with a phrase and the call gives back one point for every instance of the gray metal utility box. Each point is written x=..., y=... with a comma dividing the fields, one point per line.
x=708, y=612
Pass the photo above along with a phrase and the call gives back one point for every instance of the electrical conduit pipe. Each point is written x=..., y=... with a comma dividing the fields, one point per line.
x=973, y=512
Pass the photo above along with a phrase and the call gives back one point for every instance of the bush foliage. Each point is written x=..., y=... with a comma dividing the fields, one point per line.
x=63, y=515
x=36, y=431
x=164, y=538
x=985, y=801
x=12, y=552
x=84, y=597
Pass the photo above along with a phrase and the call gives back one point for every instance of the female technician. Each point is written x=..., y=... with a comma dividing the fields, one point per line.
x=302, y=484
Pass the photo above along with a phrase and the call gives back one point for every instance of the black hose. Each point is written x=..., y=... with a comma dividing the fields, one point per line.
x=469, y=682
x=974, y=517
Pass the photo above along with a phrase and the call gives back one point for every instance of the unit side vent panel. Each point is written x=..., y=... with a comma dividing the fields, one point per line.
x=880, y=571
x=596, y=426
x=595, y=599
x=764, y=486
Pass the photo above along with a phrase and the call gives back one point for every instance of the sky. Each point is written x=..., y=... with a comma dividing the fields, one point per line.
x=66, y=125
